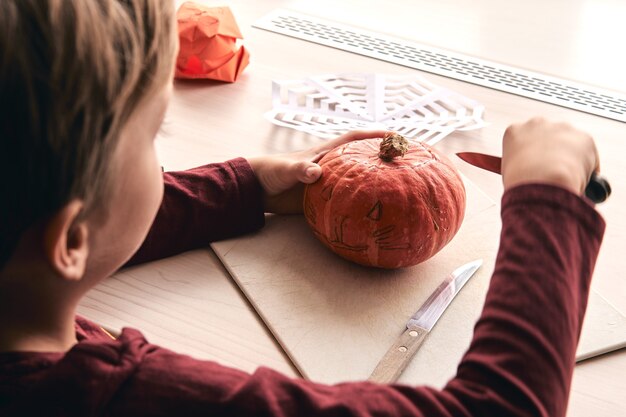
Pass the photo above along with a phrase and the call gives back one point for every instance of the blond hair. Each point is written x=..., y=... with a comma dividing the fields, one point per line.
x=71, y=74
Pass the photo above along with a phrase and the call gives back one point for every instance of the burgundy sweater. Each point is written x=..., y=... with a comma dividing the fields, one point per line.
x=520, y=361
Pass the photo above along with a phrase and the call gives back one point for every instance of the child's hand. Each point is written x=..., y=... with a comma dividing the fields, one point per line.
x=283, y=176
x=547, y=152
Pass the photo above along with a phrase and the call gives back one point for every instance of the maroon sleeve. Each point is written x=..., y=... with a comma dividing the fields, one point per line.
x=520, y=361
x=522, y=356
x=203, y=205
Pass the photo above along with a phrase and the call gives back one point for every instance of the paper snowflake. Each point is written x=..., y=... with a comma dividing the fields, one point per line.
x=330, y=105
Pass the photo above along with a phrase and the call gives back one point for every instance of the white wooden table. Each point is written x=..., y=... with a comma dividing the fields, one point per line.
x=189, y=302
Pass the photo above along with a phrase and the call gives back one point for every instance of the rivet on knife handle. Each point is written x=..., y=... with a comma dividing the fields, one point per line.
x=398, y=356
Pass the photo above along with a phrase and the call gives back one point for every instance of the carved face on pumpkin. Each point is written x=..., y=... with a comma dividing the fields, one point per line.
x=385, y=212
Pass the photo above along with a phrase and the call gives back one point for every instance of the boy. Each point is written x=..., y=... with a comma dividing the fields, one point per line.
x=83, y=88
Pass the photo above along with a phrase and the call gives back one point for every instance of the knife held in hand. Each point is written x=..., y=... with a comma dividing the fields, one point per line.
x=598, y=188
x=420, y=324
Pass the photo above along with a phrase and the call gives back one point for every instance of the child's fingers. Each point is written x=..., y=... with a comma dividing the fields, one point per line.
x=347, y=137
x=363, y=134
x=548, y=152
x=302, y=171
x=307, y=172
x=597, y=158
x=357, y=135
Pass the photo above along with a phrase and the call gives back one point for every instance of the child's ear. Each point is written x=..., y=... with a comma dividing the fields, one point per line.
x=66, y=243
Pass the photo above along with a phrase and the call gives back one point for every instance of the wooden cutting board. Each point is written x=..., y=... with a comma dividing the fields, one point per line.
x=336, y=319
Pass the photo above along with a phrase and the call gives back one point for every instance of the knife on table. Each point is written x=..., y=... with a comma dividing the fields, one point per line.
x=420, y=324
x=598, y=188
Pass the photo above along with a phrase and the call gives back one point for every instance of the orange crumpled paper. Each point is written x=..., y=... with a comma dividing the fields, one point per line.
x=208, y=44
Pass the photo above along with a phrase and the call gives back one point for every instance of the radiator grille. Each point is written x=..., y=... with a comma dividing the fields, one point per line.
x=477, y=71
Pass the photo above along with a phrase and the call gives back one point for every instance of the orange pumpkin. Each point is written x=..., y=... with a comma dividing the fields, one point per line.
x=386, y=202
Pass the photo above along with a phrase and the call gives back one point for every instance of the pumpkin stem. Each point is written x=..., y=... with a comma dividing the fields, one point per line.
x=393, y=145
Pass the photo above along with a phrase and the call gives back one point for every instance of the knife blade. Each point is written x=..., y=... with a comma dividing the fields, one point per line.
x=420, y=324
x=597, y=190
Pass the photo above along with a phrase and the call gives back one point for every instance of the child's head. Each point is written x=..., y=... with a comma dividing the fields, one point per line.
x=83, y=88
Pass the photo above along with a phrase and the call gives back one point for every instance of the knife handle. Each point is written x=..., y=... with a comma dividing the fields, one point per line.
x=398, y=356
x=598, y=188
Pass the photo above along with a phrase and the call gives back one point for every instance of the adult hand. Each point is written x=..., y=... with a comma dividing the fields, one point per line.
x=283, y=176
x=548, y=152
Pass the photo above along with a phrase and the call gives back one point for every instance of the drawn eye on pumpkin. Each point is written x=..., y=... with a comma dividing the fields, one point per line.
x=376, y=211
